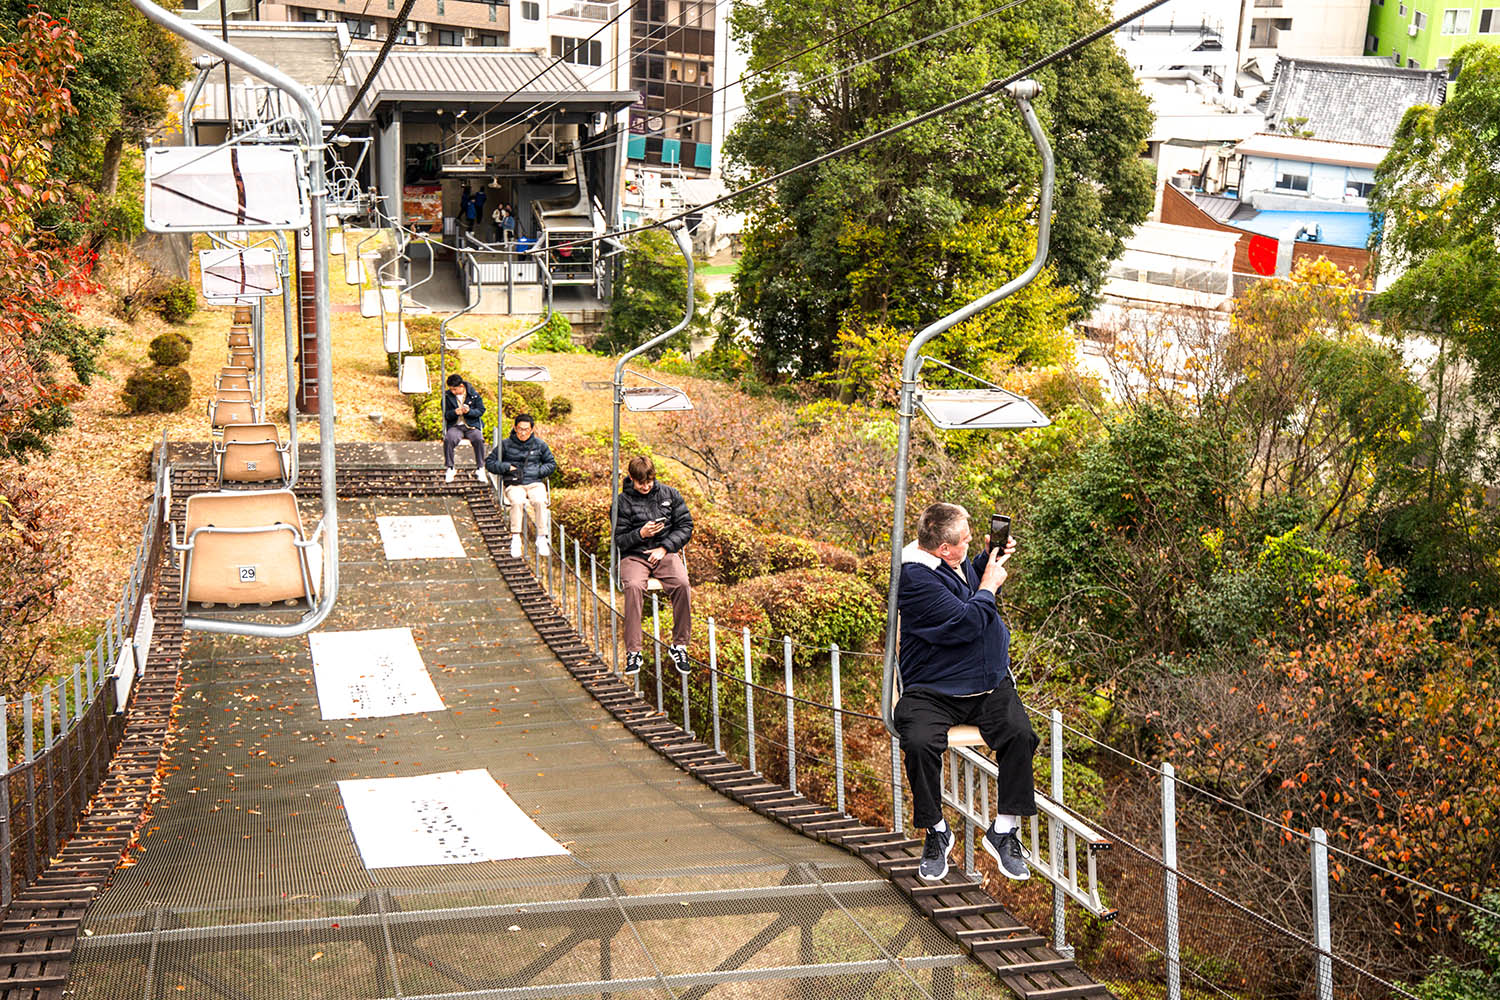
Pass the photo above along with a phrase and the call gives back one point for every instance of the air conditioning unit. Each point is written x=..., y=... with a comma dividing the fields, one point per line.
x=420, y=27
x=470, y=34
x=1412, y=30
x=321, y=15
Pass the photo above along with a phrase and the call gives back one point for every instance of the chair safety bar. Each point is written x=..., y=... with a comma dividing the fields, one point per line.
x=312, y=123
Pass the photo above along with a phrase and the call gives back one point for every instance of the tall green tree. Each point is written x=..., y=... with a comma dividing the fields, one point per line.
x=810, y=269
x=650, y=295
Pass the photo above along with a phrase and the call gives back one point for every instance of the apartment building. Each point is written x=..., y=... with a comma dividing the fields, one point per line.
x=1423, y=34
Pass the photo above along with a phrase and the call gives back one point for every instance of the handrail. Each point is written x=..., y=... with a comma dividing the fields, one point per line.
x=317, y=194
x=1022, y=92
x=685, y=246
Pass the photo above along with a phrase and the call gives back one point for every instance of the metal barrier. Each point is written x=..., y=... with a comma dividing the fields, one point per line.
x=70, y=730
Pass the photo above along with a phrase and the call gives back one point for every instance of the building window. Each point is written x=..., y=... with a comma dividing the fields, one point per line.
x=580, y=51
x=189, y=4
x=1291, y=176
x=1419, y=19
x=531, y=10
x=310, y=15
x=1372, y=43
x=449, y=37
x=1489, y=21
x=492, y=11
x=1413, y=64
x=1401, y=9
x=493, y=40
x=1456, y=21
x=1359, y=186
x=440, y=7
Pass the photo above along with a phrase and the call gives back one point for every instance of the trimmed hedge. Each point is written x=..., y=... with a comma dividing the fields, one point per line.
x=817, y=607
x=836, y=557
x=524, y=397
x=176, y=301
x=558, y=408
x=158, y=389
x=169, y=349
x=584, y=514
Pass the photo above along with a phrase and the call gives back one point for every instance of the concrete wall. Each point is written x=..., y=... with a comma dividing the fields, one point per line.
x=1326, y=182
x=1178, y=209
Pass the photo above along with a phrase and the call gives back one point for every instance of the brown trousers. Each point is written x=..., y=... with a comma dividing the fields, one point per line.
x=634, y=572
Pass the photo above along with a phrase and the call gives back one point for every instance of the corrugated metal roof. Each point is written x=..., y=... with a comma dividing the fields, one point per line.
x=477, y=76
x=210, y=104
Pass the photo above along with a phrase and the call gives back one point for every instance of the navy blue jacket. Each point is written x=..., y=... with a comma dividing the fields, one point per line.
x=521, y=463
x=952, y=638
x=472, y=400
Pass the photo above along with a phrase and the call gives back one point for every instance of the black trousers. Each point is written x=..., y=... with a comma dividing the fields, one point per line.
x=922, y=720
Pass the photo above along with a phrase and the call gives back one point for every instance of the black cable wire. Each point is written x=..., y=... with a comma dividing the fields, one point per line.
x=385, y=50
x=988, y=90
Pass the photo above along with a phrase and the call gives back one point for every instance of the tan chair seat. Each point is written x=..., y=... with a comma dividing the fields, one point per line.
x=242, y=315
x=239, y=339
x=240, y=370
x=233, y=383
x=241, y=357
x=224, y=412
x=263, y=566
x=965, y=736
x=251, y=453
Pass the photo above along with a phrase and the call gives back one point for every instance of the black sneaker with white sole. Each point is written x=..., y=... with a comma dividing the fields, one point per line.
x=934, y=864
x=633, y=663
x=680, y=659
x=1008, y=853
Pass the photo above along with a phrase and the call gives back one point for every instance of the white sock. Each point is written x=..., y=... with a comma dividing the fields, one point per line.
x=1005, y=824
x=941, y=826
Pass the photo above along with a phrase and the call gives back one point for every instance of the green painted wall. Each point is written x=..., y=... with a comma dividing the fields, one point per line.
x=1390, y=28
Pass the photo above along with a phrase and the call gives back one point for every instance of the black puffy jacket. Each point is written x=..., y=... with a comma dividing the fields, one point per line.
x=521, y=463
x=472, y=399
x=637, y=508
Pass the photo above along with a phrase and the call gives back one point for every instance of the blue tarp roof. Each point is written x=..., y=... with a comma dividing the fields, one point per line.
x=1340, y=229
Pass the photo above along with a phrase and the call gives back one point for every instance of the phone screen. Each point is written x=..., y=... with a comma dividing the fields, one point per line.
x=999, y=531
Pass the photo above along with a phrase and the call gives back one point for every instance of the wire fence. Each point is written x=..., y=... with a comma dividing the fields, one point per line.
x=58, y=743
x=1192, y=905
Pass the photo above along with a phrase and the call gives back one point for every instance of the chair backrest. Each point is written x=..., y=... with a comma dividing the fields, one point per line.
x=242, y=357
x=251, y=453
x=239, y=339
x=225, y=412
x=224, y=394
x=234, y=382
x=234, y=370
x=257, y=567
x=242, y=315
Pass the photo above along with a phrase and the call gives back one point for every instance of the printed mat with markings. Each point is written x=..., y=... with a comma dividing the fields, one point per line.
x=614, y=873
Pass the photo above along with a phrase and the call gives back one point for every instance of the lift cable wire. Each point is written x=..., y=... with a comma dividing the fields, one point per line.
x=343, y=55
x=605, y=141
x=988, y=90
x=385, y=50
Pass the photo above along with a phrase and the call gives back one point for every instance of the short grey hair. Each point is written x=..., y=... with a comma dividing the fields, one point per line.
x=941, y=523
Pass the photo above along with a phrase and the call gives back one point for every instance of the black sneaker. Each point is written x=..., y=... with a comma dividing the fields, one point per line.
x=1008, y=853
x=680, y=659
x=633, y=663
x=934, y=864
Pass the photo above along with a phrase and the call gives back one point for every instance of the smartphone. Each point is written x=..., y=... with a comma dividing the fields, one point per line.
x=999, y=531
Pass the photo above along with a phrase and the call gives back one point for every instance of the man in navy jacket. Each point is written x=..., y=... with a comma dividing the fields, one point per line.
x=955, y=670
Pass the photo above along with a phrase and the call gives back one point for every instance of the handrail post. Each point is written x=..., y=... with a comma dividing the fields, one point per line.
x=656, y=646
x=1322, y=922
x=713, y=679
x=1055, y=842
x=749, y=697
x=1169, y=863
x=838, y=727
x=685, y=247
x=791, y=715
x=1022, y=92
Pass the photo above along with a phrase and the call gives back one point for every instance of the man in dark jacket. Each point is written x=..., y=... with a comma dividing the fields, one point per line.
x=524, y=463
x=463, y=409
x=955, y=670
x=652, y=524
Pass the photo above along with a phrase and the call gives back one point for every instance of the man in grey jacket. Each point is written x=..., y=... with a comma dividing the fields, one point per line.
x=652, y=524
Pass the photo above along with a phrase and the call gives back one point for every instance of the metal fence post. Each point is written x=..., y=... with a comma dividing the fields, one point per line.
x=1055, y=843
x=838, y=727
x=561, y=553
x=4, y=803
x=791, y=716
x=99, y=660
x=47, y=717
x=713, y=680
x=578, y=578
x=1169, y=861
x=88, y=674
x=28, y=754
x=1322, y=924
x=898, y=821
x=77, y=692
x=656, y=645
x=749, y=698
x=594, y=597
x=614, y=634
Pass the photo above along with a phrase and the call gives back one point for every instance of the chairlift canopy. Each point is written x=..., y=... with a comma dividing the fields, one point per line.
x=413, y=377
x=240, y=188
x=979, y=409
x=655, y=399
x=461, y=342
x=239, y=275
x=527, y=373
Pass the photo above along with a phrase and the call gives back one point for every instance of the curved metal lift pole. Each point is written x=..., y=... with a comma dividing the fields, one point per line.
x=442, y=385
x=317, y=194
x=546, y=276
x=1022, y=92
x=685, y=246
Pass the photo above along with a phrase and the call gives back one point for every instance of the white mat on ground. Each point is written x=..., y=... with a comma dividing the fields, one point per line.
x=424, y=537
x=371, y=674
x=451, y=818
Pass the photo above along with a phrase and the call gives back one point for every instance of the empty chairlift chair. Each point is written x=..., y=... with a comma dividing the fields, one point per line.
x=239, y=336
x=247, y=551
x=233, y=383
x=242, y=357
x=242, y=315
x=251, y=453
x=232, y=406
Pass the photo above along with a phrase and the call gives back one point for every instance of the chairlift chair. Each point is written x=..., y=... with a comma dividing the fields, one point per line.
x=230, y=406
x=412, y=379
x=239, y=336
x=527, y=373
x=239, y=383
x=251, y=453
x=243, y=315
x=240, y=275
x=246, y=551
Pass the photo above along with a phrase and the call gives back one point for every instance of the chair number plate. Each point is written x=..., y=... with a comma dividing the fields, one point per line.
x=247, y=574
x=251, y=467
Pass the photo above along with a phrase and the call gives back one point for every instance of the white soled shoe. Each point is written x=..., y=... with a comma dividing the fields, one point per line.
x=515, y=546
x=448, y=474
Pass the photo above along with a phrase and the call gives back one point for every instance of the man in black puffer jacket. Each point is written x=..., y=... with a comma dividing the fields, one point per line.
x=652, y=524
x=524, y=463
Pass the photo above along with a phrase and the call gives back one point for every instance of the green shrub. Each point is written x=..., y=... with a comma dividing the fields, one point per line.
x=176, y=301
x=584, y=514
x=785, y=552
x=876, y=571
x=157, y=389
x=836, y=557
x=556, y=336
x=583, y=459
x=169, y=349
x=817, y=607
x=725, y=549
x=524, y=397
x=558, y=408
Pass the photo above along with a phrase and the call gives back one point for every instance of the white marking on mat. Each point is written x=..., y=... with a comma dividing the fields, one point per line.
x=422, y=537
x=451, y=818
x=371, y=674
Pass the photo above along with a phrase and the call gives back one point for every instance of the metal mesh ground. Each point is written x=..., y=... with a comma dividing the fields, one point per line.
x=250, y=884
